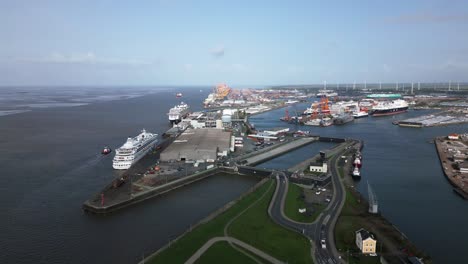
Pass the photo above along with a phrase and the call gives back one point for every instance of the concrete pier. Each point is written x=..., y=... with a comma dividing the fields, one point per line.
x=253, y=160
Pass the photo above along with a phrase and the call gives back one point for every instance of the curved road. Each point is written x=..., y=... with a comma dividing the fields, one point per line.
x=323, y=228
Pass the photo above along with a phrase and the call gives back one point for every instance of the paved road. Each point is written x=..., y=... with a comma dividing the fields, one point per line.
x=246, y=246
x=322, y=228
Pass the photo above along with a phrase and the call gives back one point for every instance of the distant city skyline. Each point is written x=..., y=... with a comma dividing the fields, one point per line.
x=258, y=43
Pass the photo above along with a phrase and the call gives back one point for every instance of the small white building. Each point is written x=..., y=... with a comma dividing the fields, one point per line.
x=365, y=241
x=464, y=167
x=318, y=167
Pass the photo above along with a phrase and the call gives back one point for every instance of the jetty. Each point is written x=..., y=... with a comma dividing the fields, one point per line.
x=437, y=119
x=451, y=156
x=134, y=187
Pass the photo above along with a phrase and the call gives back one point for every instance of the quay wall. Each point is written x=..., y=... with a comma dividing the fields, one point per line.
x=456, y=189
x=331, y=139
x=89, y=207
x=279, y=151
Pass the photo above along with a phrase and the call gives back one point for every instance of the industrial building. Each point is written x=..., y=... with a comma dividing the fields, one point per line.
x=198, y=145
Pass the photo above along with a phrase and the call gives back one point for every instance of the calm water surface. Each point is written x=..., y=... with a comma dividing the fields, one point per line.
x=50, y=164
x=405, y=172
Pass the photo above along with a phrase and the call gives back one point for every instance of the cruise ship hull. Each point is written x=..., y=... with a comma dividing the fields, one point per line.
x=177, y=117
x=123, y=164
x=392, y=111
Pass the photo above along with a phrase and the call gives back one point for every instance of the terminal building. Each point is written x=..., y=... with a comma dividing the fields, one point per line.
x=198, y=145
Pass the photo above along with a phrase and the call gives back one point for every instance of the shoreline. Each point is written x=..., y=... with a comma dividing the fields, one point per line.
x=449, y=176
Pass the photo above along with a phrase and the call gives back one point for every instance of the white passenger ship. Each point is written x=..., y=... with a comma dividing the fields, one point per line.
x=178, y=112
x=133, y=150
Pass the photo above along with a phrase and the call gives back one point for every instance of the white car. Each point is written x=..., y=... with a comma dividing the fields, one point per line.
x=317, y=192
x=324, y=190
x=327, y=200
x=324, y=245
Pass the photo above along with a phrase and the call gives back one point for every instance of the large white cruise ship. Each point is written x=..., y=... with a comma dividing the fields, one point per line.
x=178, y=112
x=133, y=150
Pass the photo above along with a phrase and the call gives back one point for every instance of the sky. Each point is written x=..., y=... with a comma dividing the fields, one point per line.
x=172, y=42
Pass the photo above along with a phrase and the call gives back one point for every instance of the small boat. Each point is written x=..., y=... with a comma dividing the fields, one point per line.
x=357, y=162
x=360, y=114
x=356, y=172
x=106, y=150
x=178, y=95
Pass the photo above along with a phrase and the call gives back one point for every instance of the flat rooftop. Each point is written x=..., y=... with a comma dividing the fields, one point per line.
x=198, y=144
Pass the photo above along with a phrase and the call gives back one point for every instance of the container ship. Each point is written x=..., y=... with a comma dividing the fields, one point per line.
x=178, y=112
x=390, y=108
x=133, y=150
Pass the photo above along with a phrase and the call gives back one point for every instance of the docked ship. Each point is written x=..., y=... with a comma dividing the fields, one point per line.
x=326, y=121
x=390, y=108
x=326, y=93
x=133, y=150
x=342, y=119
x=313, y=122
x=356, y=172
x=357, y=163
x=357, y=160
x=360, y=114
x=178, y=112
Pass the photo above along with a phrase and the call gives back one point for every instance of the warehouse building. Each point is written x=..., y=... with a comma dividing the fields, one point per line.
x=198, y=145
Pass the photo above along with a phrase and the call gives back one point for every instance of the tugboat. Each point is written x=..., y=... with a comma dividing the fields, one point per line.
x=106, y=150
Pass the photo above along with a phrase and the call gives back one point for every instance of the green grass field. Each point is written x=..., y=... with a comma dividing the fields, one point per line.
x=185, y=247
x=345, y=229
x=222, y=252
x=347, y=224
x=257, y=229
x=294, y=201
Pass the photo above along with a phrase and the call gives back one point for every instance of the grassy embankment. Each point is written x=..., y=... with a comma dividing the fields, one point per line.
x=295, y=200
x=355, y=216
x=223, y=252
x=186, y=246
x=256, y=228
x=253, y=227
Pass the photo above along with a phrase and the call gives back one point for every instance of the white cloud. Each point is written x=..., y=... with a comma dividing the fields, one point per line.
x=188, y=67
x=218, y=51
